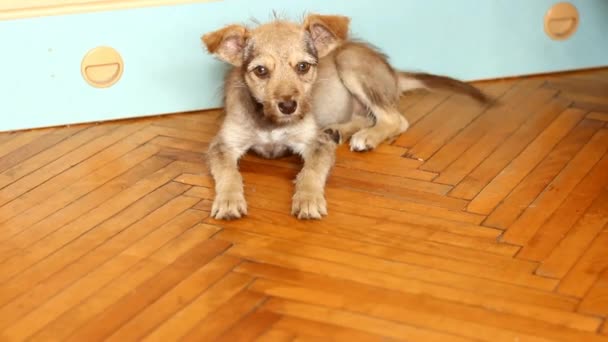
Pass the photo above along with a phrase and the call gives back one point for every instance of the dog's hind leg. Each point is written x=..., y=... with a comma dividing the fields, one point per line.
x=374, y=83
x=389, y=124
x=342, y=132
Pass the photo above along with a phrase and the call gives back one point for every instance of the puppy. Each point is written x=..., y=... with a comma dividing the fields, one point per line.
x=303, y=88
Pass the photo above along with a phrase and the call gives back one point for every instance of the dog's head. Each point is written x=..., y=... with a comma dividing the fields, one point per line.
x=279, y=60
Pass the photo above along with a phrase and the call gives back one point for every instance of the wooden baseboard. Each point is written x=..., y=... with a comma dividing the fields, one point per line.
x=544, y=74
x=16, y=9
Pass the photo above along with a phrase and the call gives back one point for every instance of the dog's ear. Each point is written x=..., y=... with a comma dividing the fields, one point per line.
x=327, y=31
x=227, y=44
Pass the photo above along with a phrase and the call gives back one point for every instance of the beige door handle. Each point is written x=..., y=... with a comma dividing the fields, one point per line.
x=102, y=67
x=561, y=21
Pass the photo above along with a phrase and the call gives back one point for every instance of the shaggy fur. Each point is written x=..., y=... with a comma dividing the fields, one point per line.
x=301, y=88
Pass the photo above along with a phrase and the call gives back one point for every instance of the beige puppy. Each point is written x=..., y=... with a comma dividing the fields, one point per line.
x=302, y=88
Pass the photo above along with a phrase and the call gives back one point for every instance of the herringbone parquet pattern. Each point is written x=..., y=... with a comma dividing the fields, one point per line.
x=486, y=224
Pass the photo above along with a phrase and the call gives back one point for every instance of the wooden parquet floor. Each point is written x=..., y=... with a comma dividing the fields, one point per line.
x=484, y=224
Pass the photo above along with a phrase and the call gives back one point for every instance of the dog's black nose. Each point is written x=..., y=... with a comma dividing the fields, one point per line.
x=288, y=107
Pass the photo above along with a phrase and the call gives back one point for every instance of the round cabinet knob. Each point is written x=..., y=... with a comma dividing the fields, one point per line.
x=102, y=67
x=561, y=21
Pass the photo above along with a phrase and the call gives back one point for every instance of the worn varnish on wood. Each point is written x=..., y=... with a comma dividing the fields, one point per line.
x=477, y=224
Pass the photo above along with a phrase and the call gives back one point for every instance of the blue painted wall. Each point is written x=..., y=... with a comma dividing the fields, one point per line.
x=166, y=69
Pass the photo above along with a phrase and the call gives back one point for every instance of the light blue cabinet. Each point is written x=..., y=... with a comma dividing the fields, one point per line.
x=166, y=68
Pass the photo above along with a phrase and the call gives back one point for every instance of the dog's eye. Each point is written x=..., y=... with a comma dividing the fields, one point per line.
x=260, y=71
x=303, y=67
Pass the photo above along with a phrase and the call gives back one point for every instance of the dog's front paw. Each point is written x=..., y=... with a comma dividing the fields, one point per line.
x=308, y=205
x=229, y=206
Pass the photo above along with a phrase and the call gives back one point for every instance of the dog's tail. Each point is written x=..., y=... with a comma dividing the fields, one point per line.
x=417, y=80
